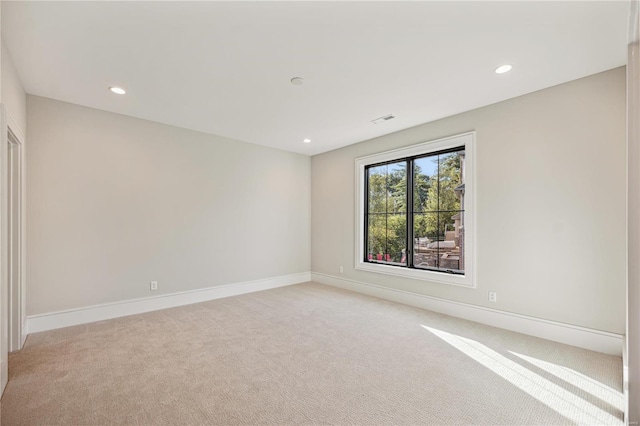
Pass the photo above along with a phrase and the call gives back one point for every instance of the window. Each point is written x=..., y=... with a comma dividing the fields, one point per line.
x=415, y=211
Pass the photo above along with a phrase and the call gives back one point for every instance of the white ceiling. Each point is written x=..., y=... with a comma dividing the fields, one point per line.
x=224, y=67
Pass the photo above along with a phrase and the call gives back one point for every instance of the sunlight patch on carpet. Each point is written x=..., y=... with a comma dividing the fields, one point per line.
x=562, y=401
x=579, y=380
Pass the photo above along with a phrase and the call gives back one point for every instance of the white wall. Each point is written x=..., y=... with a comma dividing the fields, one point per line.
x=13, y=94
x=4, y=335
x=633, y=157
x=13, y=98
x=114, y=202
x=550, y=204
x=633, y=289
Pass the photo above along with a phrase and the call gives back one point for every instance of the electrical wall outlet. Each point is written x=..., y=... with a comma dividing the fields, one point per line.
x=493, y=296
x=341, y=269
x=153, y=286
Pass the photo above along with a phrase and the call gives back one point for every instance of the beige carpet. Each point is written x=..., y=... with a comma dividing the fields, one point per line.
x=305, y=354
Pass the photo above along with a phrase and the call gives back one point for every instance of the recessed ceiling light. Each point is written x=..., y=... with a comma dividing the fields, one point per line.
x=306, y=140
x=503, y=68
x=117, y=90
x=297, y=81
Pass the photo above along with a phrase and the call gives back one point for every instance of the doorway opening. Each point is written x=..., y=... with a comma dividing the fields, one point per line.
x=14, y=242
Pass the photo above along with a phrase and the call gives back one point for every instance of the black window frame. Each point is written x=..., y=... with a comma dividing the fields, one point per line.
x=410, y=213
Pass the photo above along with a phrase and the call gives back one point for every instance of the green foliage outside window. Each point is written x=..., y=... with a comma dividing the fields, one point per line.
x=387, y=201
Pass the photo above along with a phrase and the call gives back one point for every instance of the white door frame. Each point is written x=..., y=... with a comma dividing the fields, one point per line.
x=13, y=291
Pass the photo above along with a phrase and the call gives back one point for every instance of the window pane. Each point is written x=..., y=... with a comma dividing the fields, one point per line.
x=377, y=189
x=387, y=238
x=451, y=217
x=449, y=250
x=397, y=187
x=425, y=188
x=439, y=241
x=425, y=247
x=387, y=221
x=376, y=235
x=450, y=182
x=388, y=188
x=396, y=238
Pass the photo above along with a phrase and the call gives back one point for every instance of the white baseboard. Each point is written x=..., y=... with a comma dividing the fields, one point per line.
x=53, y=320
x=595, y=340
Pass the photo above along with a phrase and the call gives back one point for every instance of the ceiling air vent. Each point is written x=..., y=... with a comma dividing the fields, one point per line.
x=383, y=119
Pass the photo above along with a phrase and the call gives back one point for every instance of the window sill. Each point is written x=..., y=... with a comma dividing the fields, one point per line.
x=417, y=274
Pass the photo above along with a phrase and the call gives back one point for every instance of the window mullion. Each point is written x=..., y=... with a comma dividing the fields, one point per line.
x=386, y=216
x=409, y=209
x=438, y=218
x=366, y=216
